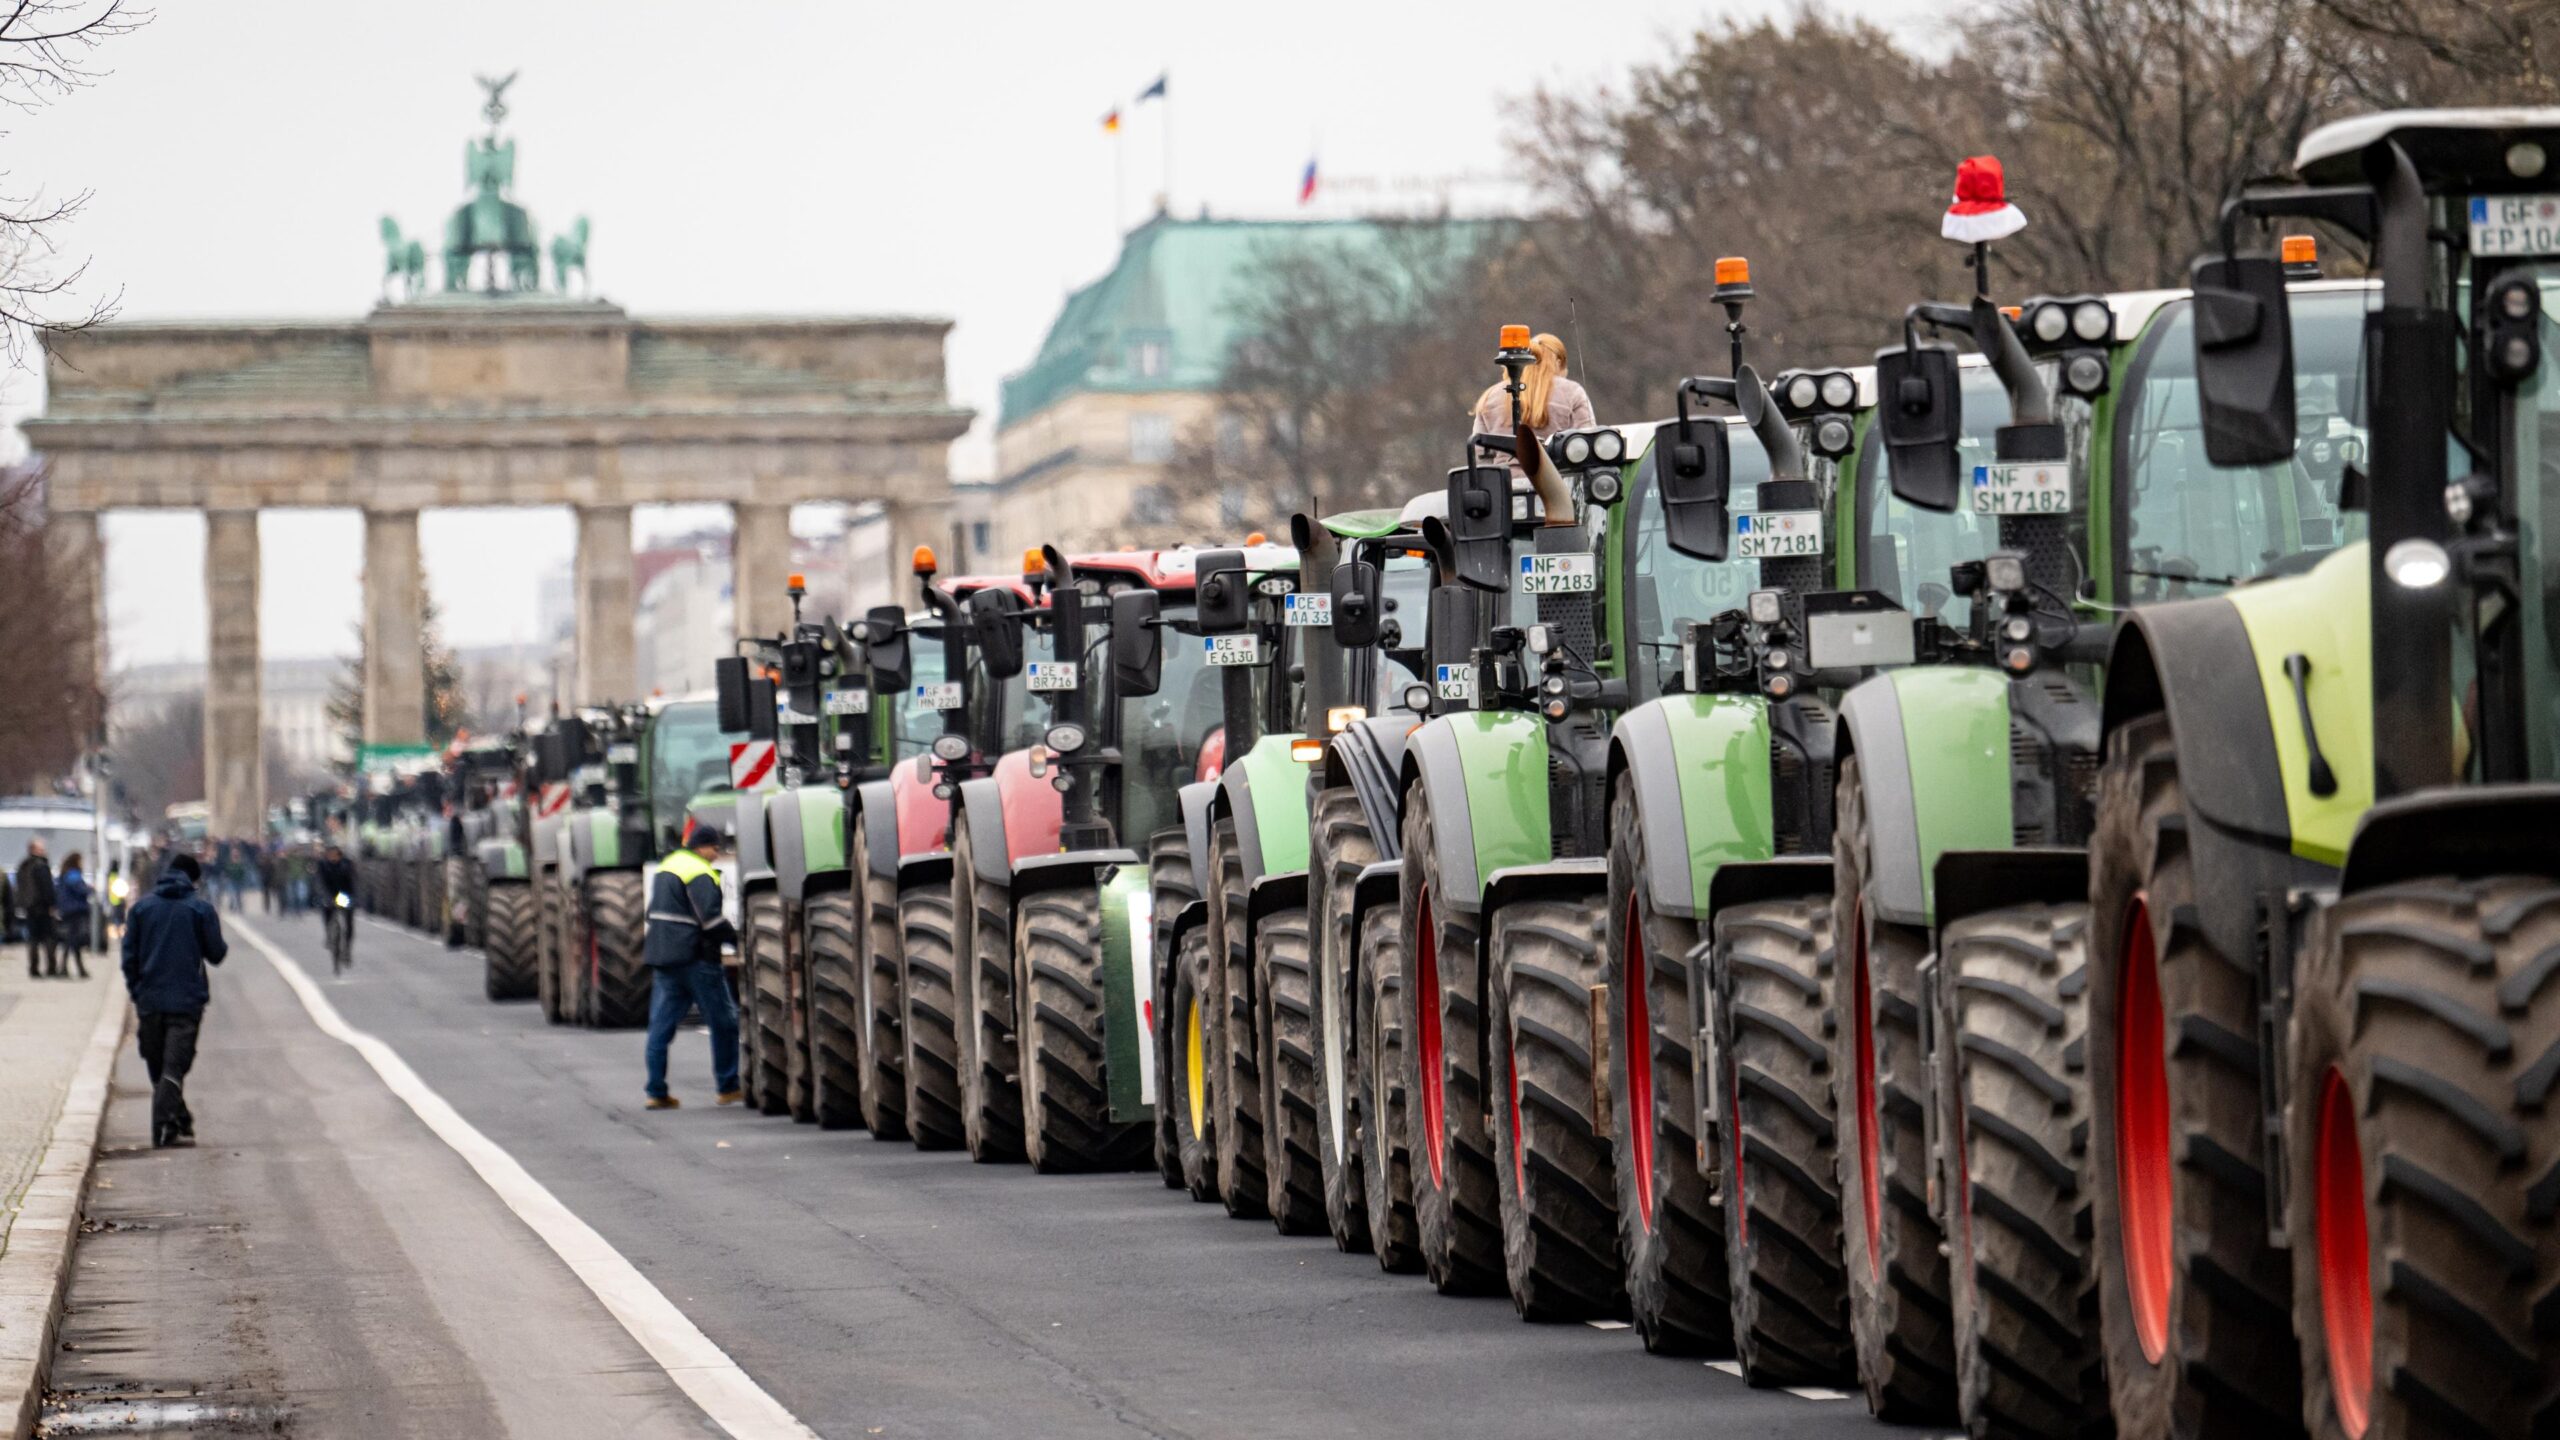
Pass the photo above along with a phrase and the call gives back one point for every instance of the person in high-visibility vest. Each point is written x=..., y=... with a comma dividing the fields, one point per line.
x=118, y=892
x=686, y=931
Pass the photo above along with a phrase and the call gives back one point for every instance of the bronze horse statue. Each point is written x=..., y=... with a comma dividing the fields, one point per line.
x=569, y=252
x=490, y=224
x=403, y=260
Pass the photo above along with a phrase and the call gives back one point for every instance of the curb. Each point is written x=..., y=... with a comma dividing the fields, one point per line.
x=36, y=1269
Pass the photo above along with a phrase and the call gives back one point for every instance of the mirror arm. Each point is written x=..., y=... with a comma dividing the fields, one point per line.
x=1777, y=437
x=2030, y=403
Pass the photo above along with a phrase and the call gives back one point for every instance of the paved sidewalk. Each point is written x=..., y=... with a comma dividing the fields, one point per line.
x=44, y=1028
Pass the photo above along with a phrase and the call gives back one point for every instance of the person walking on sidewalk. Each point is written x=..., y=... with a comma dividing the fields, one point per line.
x=686, y=931
x=173, y=934
x=117, y=895
x=35, y=909
x=72, y=901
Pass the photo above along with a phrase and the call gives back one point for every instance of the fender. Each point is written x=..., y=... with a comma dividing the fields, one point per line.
x=982, y=810
x=545, y=849
x=1193, y=915
x=1033, y=808
x=876, y=811
x=1701, y=769
x=1576, y=878
x=1367, y=756
x=2465, y=830
x=1932, y=743
x=2193, y=660
x=785, y=842
x=1269, y=893
x=822, y=837
x=1380, y=882
x=1486, y=775
x=755, y=857
x=1787, y=877
x=1970, y=882
x=501, y=859
x=1067, y=870
x=1196, y=800
x=916, y=870
x=1272, y=836
x=924, y=819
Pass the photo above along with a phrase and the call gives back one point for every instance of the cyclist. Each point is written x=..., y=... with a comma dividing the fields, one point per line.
x=337, y=896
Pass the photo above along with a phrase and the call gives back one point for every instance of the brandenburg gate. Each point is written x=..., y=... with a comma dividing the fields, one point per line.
x=505, y=395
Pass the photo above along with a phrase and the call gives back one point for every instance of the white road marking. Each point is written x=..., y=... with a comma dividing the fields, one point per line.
x=1730, y=1367
x=736, y=1403
x=1606, y=1324
x=1816, y=1392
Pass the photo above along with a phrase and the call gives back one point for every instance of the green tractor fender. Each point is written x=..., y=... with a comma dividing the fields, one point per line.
x=755, y=852
x=500, y=859
x=1266, y=792
x=1932, y=744
x=782, y=843
x=823, y=852
x=1709, y=756
x=2217, y=668
x=1485, y=775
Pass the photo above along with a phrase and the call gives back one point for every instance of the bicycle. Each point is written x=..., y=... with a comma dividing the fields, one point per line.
x=341, y=924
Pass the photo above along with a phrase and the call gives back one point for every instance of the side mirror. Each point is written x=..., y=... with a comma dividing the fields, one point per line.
x=884, y=648
x=1355, y=604
x=2244, y=360
x=995, y=630
x=1226, y=601
x=1137, y=654
x=761, y=721
x=1480, y=525
x=1693, y=468
x=1921, y=411
x=729, y=674
x=550, y=758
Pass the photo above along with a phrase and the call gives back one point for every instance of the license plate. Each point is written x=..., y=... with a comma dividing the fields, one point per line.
x=622, y=755
x=1233, y=649
x=1559, y=574
x=2022, y=488
x=944, y=696
x=1777, y=535
x=1052, y=675
x=2515, y=225
x=1307, y=610
x=849, y=702
x=1454, y=682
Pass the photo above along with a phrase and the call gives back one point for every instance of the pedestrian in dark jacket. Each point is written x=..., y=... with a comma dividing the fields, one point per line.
x=171, y=936
x=72, y=899
x=686, y=931
x=35, y=908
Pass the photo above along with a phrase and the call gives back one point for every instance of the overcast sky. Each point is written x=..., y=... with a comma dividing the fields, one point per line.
x=752, y=156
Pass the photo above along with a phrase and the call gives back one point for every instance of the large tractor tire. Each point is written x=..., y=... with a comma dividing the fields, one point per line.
x=2012, y=1029
x=990, y=1090
x=1385, y=1137
x=1284, y=1020
x=546, y=950
x=1234, y=1052
x=1559, y=1203
x=798, y=1060
x=767, y=990
x=1339, y=847
x=742, y=989
x=2195, y=1307
x=1187, y=1086
x=1170, y=887
x=932, y=1059
x=1900, y=1308
x=1774, y=989
x=509, y=949
x=1670, y=1229
x=576, y=976
x=1066, y=1093
x=1457, y=1204
x=619, y=933
x=834, y=952
x=453, y=917
x=884, y=998
x=2424, y=1168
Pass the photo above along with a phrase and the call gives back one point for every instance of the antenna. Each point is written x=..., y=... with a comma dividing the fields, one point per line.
x=1573, y=337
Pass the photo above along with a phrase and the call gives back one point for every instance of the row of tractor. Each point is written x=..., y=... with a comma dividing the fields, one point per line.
x=2021, y=879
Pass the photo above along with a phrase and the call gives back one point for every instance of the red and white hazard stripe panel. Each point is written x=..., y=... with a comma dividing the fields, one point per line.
x=750, y=763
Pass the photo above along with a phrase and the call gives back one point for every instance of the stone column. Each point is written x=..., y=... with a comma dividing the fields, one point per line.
x=607, y=674
x=235, y=754
x=759, y=558
x=395, y=665
x=77, y=559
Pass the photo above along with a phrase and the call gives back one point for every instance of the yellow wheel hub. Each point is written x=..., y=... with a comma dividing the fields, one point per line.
x=1193, y=1081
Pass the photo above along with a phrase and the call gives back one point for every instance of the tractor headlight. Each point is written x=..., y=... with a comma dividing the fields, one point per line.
x=2417, y=564
x=1781, y=660
x=1603, y=488
x=1779, y=686
x=2019, y=627
x=1552, y=685
x=1577, y=451
x=2049, y=323
x=1804, y=392
x=1609, y=447
x=1417, y=698
x=844, y=741
x=2092, y=321
x=950, y=747
x=1766, y=607
x=1831, y=437
x=2006, y=571
x=1839, y=390
x=1065, y=739
x=2085, y=373
x=1343, y=717
x=1541, y=640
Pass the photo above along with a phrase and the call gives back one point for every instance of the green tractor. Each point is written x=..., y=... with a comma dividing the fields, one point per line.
x=478, y=777
x=634, y=770
x=2322, y=905
x=499, y=860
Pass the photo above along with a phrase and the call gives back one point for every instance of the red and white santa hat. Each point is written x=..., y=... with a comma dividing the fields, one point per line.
x=1981, y=210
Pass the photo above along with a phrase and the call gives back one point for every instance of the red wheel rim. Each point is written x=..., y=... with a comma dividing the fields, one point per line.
x=1426, y=980
x=2143, y=1173
x=1519, y=1157
x=2346, y=1264
x=1632, y=977
x=1869, y=1142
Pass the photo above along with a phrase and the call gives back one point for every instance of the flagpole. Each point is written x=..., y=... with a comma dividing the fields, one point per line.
x=1166, y=100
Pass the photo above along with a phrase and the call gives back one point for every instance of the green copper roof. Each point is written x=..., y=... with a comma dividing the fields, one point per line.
x=1164, y=319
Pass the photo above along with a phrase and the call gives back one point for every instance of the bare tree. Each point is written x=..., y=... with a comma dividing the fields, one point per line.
x=160, y=757
x=48, y=50
x=50, y=711
x=2445, y=52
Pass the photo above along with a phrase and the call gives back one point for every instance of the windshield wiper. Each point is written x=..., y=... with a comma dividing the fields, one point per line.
x=2193, y=579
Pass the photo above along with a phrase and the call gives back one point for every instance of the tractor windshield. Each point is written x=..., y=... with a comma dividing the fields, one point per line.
x=687, y=754
x=912, y=727
x=2188, y=527
x=1404, y=590
x=1161, y=734
x=1018, y=723
x=2537, y=468
x=1906, y=551
x=1665, y=587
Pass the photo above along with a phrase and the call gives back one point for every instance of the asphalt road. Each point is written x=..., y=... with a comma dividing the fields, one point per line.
x=324, y=1261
